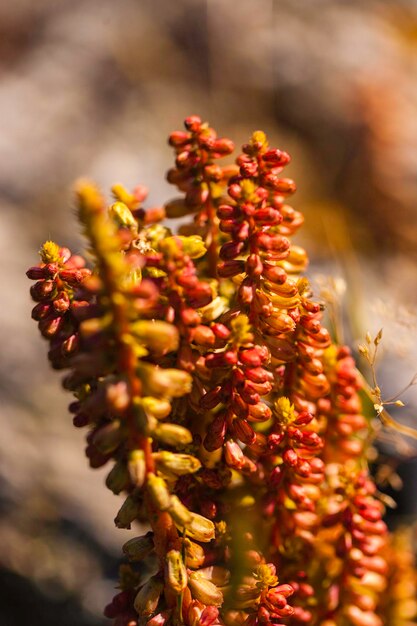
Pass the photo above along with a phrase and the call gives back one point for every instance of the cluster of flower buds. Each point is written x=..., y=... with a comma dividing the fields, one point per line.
x=203, y=181
x=177, y=279
x=181, y=575
x=295, y=447
x=259, y=255
x=259, y=258
x=361, y=538
x=346, y=426
x=354, y=514
x=120, y=394
x=238, y=381
x=133, y=202
x=258, y=206
x=295, y=476
x=57, y=291
x=205, y=376
x=260, y=599
x=196, y=173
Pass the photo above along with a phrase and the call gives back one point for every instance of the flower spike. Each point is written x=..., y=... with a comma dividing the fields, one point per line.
x=232, y=425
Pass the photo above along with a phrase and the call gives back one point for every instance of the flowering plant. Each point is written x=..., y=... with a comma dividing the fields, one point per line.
x=232, y=423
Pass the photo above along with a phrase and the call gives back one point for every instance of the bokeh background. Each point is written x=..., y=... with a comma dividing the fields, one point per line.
x=93, y=87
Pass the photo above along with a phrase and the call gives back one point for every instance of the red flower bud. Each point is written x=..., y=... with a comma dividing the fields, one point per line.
x=303, y=419
x=196, y=196
x=258, y=375
x=190, y=317
x=276, y=157
x=36, y=273
x=267, y=216
x=220, y=330
x=248, y=394
x=276, y=243
x=254, y=265
x=49, y=328
x=203, y=336
x=317, y=465
x=284, y=186
x=239, y=406
x=304, y=469
x=274, y=440
x=371, y=514
x=178, y=177
x=228, y=269
x=179, y=138
x=221, y=359
x=62, y=302
x=241, y=232
x=74, y=277
x=259, y=412
x=231, y=250
x=311, y=439
x=223, y=146
x=193, y=123
x=246, y=292
x=276, y=476
x=212, y=398
x=70, y=345
x=40, y=311
x=243, y=431
x=275, y=274
x=228, y=226
x=199, y=296
x=249, y=169
x=227, y=212
x=290, y=457
x=251, y=357
x=42, y=290
x=213, y=173
x=206, y=139
x=187, y=279
x=235, y=191
x=216, y=434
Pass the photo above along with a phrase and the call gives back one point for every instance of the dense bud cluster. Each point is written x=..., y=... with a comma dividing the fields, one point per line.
x=238, y=394
x=59, y=302
x=346, y=424
x=232, y=425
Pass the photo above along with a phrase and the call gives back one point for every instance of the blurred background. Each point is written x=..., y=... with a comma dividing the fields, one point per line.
x=93, y=87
